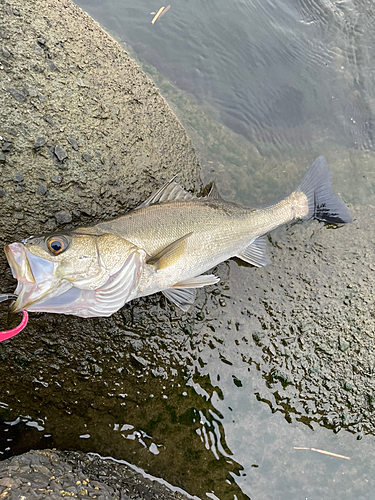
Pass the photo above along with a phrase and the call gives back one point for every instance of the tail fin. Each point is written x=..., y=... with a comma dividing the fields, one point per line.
x=323, y=203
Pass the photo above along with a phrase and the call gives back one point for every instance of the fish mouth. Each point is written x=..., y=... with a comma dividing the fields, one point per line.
x=35, y=277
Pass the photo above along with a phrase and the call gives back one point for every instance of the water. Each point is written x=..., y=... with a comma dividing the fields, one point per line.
x=219, y=401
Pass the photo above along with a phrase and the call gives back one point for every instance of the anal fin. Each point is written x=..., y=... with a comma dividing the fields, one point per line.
x=256, y=253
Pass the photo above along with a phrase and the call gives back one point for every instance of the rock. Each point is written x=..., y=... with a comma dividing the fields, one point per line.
x=60, y=153
x=39, y=142
x=57, y=178
x=52, y=66
x=17, y=95
x=42, y=189
x=63, y=217
x=6, y=52
x=156, y=148
x=73, y=143
x=7, y=146
x=71, y=474
x=18, y=177
x=86, y=157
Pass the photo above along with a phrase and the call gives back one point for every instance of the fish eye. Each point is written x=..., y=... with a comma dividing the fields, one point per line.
x=57, y=244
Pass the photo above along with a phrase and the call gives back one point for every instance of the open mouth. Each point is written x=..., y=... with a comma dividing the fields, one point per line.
x=34, y=275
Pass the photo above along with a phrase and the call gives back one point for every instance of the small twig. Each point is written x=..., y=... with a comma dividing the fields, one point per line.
x=157, y=15
x=322, y=451
x=164, y=11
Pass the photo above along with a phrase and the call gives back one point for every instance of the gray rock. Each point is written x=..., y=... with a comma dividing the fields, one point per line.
x=17, y=95
x=6, y=147
x=5, y=52
x=39, y=142
x=60, y=152
x=86, y=157
x=18, y=177
x=73, y=143
x=57, y=178
x=41, y=189
x=63, y=217
x=52, y=66
x=157, y=148
x=69, y=474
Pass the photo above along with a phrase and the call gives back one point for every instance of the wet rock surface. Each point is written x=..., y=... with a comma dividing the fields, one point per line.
x=78, y=116
x=55, y=474
x=84, y=136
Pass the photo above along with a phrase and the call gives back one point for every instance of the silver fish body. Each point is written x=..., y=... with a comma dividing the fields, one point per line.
x=164, y=245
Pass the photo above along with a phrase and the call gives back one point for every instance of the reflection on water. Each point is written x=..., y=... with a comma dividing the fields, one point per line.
x=281, y=73
x=218, y=401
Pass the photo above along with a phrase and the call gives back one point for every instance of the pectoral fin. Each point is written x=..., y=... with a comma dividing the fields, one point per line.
x=170, y=254
x=255, y=253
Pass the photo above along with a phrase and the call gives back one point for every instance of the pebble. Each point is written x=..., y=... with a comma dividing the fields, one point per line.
x=73, y=143
x=6, y=52
x=17, y=95
x=41, y=189
x=52, y=66
x=63, y=217
x=57, y=179
x=39, y=142
x=60, y=153
x=18, y=177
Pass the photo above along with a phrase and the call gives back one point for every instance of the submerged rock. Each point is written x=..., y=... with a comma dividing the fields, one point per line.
x=54, y=474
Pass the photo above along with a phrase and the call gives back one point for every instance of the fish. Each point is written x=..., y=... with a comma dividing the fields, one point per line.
x=166, y=244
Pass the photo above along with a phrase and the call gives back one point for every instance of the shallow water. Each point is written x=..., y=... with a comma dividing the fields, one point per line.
x=219, y=400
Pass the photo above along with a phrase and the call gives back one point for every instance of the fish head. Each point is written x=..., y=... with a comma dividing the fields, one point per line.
x=73, y=273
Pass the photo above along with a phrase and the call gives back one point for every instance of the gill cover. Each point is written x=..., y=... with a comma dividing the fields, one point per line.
x=80, y=274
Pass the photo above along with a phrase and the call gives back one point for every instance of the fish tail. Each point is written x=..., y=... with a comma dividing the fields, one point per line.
x=323, y=204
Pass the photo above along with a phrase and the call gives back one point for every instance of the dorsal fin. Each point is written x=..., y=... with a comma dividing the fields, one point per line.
x=170, y=191
x=168, y=255
x=214, y=192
